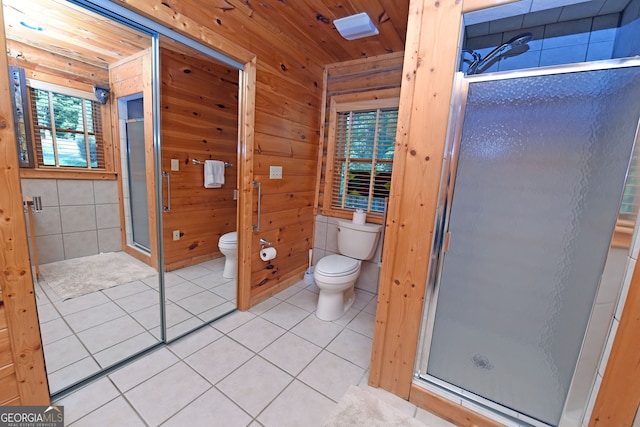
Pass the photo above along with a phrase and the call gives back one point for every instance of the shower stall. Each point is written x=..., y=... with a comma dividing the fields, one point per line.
x=524, y=262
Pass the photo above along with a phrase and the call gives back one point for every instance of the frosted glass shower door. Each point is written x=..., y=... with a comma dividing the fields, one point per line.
x=540, y=173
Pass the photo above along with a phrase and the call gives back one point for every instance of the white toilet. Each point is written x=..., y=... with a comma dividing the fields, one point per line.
x=336, y=275
x=227, y=244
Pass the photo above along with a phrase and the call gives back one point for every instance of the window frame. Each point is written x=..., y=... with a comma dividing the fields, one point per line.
x=342, y=104
x=106, y=172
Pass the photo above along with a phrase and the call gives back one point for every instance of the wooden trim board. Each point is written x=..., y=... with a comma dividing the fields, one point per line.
x=16, y=281
x=619, y=393
x=246, y=128
x=431, y=56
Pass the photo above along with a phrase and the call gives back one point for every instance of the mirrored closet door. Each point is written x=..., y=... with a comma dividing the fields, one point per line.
x=85, y=110
x=199, y=133
x=120, y=131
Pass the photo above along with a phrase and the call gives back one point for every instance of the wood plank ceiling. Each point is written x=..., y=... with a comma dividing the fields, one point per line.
x=74, y=33
x=69, y=31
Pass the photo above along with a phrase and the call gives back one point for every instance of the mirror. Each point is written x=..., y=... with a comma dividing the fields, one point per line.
x=91, y=189
x=96, y=290
x=92, y=242
x=199, y=131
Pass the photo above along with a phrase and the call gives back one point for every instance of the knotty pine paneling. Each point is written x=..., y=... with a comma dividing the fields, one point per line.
x=5, y=344
x=23, y=378
x=269, y=145
x=39, y=63
x=425, y=104
x=356, y=77
x=199, y=120
x=288, y=99
x=73, y=32
x=9, y=392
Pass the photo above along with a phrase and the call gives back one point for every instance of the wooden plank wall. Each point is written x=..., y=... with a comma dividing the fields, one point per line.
x=23, y=379
x=286, y=134
x=199, y=120
x=359, y=76
x=288, y=96
x=54, y=68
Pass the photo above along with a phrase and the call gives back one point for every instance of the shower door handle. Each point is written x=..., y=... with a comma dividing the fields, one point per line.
x=167, y=208
x=257, y=184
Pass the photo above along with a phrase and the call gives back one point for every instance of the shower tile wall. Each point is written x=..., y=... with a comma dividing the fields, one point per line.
x=628, y=40
x=580, y=40
x=325, y=243
x=79, y=218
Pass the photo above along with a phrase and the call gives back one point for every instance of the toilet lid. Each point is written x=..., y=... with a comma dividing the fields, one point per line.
x=229, y=237
x=337, y=265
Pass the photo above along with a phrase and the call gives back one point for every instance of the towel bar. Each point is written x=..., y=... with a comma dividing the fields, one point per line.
x=198, y=162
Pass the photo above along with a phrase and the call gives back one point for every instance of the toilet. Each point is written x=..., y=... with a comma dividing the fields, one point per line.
x=336, y=275
x=227, y=244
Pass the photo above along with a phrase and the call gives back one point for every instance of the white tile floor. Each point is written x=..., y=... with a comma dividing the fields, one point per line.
x=275, y=365
x=83, y=335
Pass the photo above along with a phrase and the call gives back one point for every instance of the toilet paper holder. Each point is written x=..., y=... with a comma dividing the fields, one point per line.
x=264, y=243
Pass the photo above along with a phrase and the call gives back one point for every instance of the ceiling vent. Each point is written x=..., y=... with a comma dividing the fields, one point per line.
x=355, y=26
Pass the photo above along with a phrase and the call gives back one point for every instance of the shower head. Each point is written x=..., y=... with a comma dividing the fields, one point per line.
x=517, y=41
x=520, y=39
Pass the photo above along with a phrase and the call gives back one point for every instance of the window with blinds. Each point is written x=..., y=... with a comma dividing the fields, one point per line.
x=362, y=158
x=67, y=130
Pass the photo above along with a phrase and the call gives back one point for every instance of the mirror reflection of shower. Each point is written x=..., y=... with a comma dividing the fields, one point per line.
x=479, y=64
x=135, y=173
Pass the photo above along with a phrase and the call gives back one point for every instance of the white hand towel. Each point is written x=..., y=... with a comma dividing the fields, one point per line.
x=213, y=173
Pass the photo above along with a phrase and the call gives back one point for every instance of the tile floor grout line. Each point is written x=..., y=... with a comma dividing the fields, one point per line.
x=255, y=419
x=131, y=405
x=237, y=404
x=147, y=378
x=74, y=334
x=192, y=400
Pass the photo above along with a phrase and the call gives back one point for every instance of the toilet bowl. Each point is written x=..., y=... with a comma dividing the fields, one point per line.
x=227, y=244
x=335, y=275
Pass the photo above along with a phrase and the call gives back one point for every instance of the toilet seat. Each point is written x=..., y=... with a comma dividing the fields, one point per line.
x=337, y=266
x=230, y=238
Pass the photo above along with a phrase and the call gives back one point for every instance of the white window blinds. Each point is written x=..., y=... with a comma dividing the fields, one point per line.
x=363, y=160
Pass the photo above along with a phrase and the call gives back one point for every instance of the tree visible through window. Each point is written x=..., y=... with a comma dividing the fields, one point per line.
x=67, y=130
x=631, y=197
x=361, y=151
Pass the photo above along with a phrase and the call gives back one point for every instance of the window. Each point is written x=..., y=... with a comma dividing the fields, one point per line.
x=67, y=130
x=631, y=197
x=360, y=155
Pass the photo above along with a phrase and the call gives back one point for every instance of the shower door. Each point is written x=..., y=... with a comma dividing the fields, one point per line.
x=539, y=176
x=137, y=161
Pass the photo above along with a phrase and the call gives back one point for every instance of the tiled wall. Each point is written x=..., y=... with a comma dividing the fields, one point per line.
x=79, y=218
x=587, y=39
x=628, y=41
x=326, y=243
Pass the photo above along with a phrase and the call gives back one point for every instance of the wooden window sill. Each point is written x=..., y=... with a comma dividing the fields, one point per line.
x=63, y=173
x=371, y=218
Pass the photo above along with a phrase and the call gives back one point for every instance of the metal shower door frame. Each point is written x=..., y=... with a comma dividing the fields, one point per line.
x=577, y=393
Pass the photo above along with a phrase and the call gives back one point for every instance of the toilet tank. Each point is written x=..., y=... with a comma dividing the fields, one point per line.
x=358, y=241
